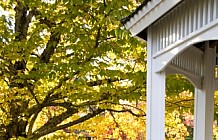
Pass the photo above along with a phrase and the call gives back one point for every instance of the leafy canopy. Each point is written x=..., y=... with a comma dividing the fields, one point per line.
x=65, y=58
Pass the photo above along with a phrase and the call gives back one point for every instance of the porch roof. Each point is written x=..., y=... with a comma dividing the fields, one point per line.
x=127, y=18
x=146, y=14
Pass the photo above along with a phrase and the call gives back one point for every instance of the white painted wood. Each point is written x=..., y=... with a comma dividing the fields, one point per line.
x=193, y=16
x=145, y=10
x=155, y=98
x=204, y=21
x=186, y=18
x=190, y=16
x=210, y=10
x=139, y=24
x=164, y=57
x=178, y=26
x=200, y=14
x=215, y=9
x=190, y=60
x=195, y=79
x=167, y=35
x=160, y=39
x=164, y=36
x=204, y=100
x=189, y=63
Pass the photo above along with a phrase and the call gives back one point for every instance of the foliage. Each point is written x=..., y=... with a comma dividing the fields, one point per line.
x=175, y=129
x=67, y=67
x=122, y=126
x=179, y=108
x=111, y=125
x=60, y=59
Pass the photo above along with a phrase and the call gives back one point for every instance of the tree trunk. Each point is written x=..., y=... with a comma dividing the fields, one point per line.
x=17, y=126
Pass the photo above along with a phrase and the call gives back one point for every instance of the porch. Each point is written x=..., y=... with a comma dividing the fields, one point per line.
x=181, y=38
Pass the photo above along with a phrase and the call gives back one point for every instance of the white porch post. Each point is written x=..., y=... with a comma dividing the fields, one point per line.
x=204, y=99
x=155, y=98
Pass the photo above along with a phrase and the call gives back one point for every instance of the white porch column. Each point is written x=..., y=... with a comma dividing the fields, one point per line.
x=155, y=98
x=204, y=99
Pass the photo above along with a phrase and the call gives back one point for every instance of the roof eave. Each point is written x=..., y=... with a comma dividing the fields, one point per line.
x=148, y=14
x=127, y=18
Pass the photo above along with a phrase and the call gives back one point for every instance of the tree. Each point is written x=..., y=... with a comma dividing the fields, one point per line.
x=65, y=58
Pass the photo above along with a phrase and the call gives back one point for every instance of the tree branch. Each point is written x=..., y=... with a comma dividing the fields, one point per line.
x=117, y=124
x=100, y=82
x=80, y=120
x=31, y=123
x=32, y=93
x=185, y=100
x=126, y=105
x=69, y=104
x=22, y=20
x=50, y=92
x=50, y=47
x=105, y=3
x=97, y=37
x=177, y=103
x=53, y=122
x=126, y=110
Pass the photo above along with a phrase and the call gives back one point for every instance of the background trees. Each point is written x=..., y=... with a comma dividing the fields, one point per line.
x=69, y=69
x=70, y=60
